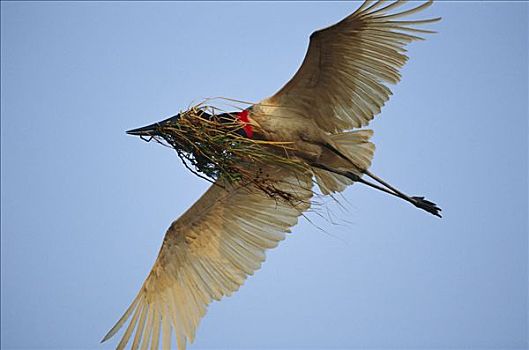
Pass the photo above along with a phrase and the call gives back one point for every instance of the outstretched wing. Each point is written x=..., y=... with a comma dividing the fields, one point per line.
x=342, y=80
x=208, y=253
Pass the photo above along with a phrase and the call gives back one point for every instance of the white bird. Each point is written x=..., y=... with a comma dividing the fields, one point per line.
x=209, y=251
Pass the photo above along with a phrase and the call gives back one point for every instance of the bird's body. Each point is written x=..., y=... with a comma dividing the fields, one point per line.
x=283, y=125
x=300, y=134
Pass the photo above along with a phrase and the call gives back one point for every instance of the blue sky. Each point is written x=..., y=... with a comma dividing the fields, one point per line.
x=84, y=207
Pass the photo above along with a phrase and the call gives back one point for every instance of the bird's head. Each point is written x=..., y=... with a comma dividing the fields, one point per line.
x=199, y=138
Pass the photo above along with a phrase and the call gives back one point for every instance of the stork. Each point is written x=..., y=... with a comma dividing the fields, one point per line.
x=214, y=246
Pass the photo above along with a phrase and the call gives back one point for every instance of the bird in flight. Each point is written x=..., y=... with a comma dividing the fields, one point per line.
x=263, y=161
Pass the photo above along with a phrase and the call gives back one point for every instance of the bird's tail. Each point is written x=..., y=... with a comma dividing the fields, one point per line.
x=358, y=151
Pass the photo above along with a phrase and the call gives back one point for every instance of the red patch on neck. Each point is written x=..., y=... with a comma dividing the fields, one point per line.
x=245, y=121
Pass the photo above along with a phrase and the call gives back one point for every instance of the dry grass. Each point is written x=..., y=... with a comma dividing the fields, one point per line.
x=212, y=148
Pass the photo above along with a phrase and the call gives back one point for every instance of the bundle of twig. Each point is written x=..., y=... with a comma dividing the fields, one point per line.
x=211, y=146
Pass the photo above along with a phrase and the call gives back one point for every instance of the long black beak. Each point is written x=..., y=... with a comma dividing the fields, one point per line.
x=153, y=129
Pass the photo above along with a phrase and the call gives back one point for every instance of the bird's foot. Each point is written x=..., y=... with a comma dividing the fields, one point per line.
x=426, y=205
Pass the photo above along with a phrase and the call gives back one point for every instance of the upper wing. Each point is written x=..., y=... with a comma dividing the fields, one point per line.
x=341, y=82
x=208, y=253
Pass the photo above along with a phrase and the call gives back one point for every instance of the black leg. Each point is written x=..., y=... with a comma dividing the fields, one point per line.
x=419, y=202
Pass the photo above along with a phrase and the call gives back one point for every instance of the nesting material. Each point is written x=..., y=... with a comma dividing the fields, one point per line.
x=212, y=147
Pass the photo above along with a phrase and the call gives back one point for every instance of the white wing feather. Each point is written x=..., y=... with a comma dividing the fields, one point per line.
x=207, y=254
x=341, y=83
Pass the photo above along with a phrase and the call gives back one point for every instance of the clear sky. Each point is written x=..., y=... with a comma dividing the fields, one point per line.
x=84, y=207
